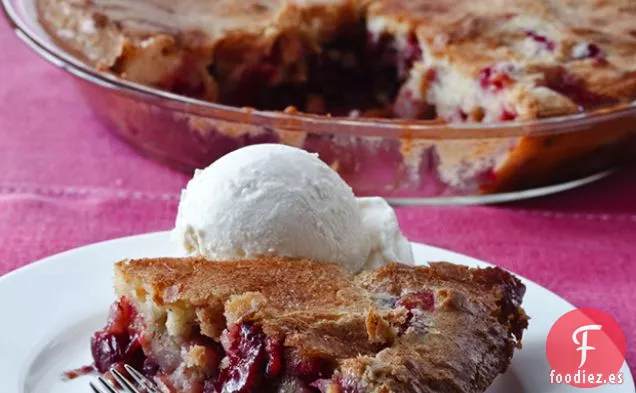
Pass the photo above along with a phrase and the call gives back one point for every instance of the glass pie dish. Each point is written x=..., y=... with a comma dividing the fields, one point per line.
x=407, y=162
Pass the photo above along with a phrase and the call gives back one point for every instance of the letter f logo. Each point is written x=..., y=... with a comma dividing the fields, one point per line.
x=583, y=344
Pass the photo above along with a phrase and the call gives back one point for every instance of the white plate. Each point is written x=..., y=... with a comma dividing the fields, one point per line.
x=50, y=309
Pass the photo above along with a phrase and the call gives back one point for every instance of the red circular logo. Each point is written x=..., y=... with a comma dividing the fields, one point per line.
x=585, y=349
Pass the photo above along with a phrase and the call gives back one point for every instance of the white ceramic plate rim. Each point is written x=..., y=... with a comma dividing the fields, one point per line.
x=49, y=307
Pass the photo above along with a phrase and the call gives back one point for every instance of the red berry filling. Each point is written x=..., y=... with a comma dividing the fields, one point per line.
x=593, y=50
x=507, y=115
x=494, y=80
x=118, y=342
x=255, y=360
x=274, y=349
x=310, y=369
x=78, y=372
x=252, y=359
x=589, y=51
x=409, y=55
x=423, y=300
x=418, y=300
x=488, y=176
x=461, y=115
x=150, y=369
x=543, y=40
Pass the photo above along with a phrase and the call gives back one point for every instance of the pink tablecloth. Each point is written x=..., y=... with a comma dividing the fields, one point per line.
x=66, y=182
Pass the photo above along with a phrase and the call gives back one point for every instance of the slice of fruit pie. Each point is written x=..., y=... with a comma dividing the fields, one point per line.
x=291, y=325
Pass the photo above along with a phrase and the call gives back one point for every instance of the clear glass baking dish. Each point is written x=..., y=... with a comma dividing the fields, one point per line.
x=405, y=162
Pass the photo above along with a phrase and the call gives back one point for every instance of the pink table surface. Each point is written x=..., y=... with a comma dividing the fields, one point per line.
x=66, y=182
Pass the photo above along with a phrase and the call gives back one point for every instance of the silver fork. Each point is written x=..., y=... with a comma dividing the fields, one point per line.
x=140, y=384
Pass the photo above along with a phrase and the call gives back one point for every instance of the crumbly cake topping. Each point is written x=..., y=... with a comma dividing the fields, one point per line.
x=203, y=49
x=531, y=58
x=205, y=22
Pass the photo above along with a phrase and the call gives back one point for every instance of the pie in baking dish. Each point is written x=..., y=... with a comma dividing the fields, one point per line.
x=457, y=60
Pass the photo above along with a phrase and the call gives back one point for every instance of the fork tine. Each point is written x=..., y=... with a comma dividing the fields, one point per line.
x=95, y=388
x=109, y=386
x=123, y=382
x=141, y=380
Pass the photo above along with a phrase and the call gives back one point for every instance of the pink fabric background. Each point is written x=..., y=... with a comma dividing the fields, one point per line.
x=66, y=182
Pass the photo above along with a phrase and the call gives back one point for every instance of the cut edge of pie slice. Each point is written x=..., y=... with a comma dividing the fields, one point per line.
x=281, y=325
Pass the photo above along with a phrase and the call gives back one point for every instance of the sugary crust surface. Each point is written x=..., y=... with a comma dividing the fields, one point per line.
x=541, y=44
x=322, y=310
x=199, y=24
x=296, y=285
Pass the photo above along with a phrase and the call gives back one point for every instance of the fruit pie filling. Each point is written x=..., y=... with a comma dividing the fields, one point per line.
x=246, y=360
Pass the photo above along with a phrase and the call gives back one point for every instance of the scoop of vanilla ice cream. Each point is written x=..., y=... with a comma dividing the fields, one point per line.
x=383, y=230
x=276, y=200
x=267, y=200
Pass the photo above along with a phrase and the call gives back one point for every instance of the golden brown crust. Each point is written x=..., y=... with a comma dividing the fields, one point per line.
x=287, y=285
x=198, y=24
x=320, y=309
x=550, y=159
x=590, y=43
x=493, y=289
